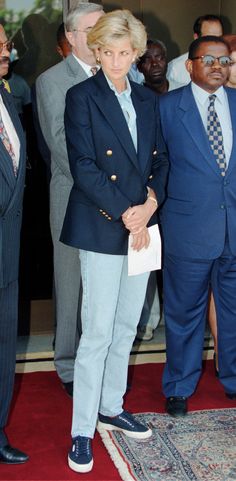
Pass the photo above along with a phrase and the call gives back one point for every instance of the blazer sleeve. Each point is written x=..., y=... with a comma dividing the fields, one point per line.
x=88, y=176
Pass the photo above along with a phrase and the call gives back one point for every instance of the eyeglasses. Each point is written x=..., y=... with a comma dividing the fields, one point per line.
x=86, y=30
x=8, y=45
x=209, y=60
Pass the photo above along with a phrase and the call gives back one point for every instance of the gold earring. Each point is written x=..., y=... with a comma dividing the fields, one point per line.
x=97, y=59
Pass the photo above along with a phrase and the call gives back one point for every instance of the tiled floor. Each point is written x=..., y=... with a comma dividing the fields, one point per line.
x=36, y=351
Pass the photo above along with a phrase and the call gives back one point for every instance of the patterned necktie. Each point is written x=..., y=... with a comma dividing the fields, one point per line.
x=94, y=70
x=215, y=135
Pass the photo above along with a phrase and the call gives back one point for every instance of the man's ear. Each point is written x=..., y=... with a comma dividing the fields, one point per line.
x=70, y=38
x=189, y=65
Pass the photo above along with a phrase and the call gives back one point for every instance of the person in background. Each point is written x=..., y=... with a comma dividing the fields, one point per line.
x=153, y=66
x=63, y=45
x=12, y=181
x=231, y=42
x=177, y=73
x=199, y=221
x=119, y=167
x=20, y=91
x=51, y=88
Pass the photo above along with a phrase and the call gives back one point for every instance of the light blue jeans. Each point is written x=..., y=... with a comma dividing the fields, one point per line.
x=111, y=307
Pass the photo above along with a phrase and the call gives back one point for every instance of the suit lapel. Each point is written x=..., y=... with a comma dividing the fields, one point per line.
x=6, y=161
x=75, y=70
x=190, y=116
x=232, y=109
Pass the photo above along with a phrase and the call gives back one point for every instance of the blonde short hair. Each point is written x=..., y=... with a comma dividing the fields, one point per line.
x=115, y=25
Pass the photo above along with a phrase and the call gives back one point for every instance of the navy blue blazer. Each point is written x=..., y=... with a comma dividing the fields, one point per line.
x=199, y=199
x=11, y=198
x=109, y=176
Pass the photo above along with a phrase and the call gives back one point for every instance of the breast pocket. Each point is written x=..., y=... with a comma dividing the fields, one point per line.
x=178, y=206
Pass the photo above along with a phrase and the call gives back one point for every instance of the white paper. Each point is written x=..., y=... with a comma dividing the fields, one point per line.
x=148, y=259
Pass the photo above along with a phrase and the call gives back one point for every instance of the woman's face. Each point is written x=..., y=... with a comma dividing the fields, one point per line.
x=232, y=72
x=116, y=60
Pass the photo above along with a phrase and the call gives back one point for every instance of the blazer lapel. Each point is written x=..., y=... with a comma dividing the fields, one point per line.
x=145, y=119
x=190, y=116
x=110, y=108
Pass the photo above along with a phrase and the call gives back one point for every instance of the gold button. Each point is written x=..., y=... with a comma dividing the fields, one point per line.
x=109, y=152
x=100, y=210
x=113, y=177
x=109, y=218
x=150, y=177
x=154, y=152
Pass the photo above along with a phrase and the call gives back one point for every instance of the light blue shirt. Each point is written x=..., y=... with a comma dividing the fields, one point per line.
x=222, y=109
x=125, y=101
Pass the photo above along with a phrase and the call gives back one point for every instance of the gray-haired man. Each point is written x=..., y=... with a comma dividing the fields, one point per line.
x=51, y=88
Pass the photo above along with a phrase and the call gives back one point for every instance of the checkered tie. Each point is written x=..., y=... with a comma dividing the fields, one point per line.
x=7, y=144
x=215, y=135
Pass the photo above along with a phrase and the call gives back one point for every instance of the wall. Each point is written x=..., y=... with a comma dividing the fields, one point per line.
x=172, y=20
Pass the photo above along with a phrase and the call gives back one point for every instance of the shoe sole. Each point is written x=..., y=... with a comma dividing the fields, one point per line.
x=80, y=468
x=135, y=435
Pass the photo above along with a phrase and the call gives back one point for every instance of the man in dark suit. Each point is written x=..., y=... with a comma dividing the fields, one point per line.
x=199, y=221
x=12, y=175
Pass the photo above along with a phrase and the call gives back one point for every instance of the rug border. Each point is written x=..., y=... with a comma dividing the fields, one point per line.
x=115, y=453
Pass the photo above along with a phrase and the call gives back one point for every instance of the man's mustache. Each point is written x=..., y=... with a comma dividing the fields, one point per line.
x=4, y=60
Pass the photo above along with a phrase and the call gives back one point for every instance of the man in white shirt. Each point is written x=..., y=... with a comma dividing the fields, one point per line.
x=177, y=73
x=199, y=221
x=12, y=179
x=51, y=89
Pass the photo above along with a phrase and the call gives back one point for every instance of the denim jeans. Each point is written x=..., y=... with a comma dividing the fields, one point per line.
x=111, y=307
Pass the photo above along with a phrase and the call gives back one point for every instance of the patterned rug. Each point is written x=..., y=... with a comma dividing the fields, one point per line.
x=199, y=447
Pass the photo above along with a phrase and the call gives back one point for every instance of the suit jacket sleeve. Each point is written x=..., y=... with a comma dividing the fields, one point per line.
x=160, y=165
x=51, y=106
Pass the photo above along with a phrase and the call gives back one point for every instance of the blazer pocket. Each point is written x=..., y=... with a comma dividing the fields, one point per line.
x=178, y=206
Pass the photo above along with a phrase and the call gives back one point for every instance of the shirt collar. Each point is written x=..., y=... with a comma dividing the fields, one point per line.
x=126, y=93
x=85, y=66
x=202, y=95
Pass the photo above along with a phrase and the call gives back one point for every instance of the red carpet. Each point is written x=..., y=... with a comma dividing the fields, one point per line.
x=41, y=416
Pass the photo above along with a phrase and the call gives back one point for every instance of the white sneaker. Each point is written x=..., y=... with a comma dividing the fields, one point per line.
x=145, y=333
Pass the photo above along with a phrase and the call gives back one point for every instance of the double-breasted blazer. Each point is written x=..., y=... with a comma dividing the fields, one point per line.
x=11, y=198
x=200, y=206
x=109, y=175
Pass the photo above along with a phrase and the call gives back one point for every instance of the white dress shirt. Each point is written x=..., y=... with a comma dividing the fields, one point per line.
x=177, y=73
x=222, y=109
x=11, y=131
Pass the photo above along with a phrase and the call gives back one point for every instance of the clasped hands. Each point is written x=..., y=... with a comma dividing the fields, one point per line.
x=136, y=219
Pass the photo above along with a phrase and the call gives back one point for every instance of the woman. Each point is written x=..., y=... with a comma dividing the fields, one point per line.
x=119, y=166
